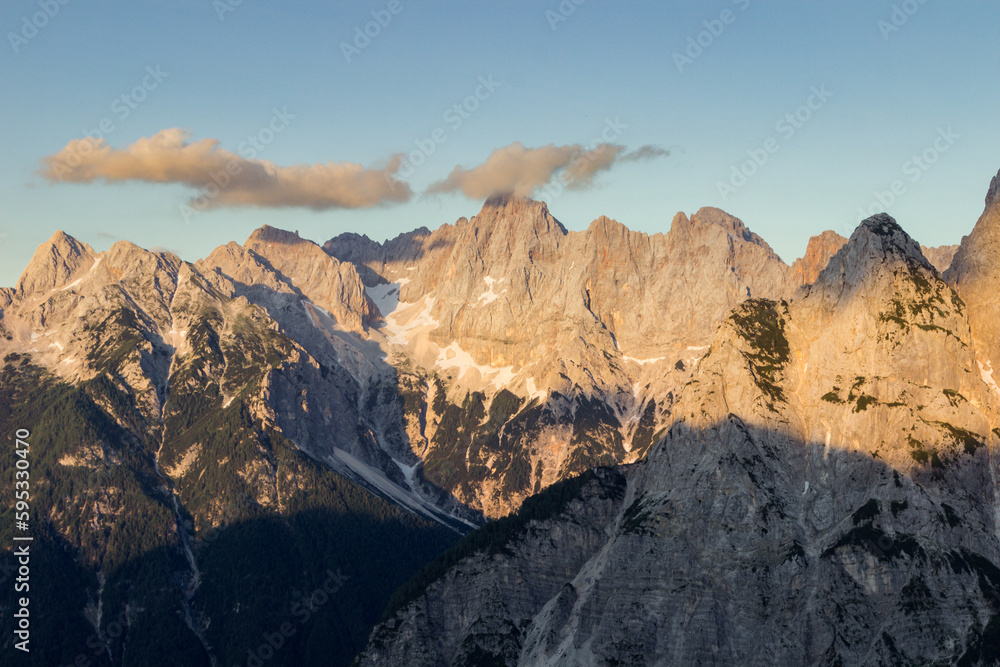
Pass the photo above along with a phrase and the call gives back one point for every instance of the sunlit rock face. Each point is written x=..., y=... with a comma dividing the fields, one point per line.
x=795, y=463
x=535, y=352
x=459, y=370
x=975, y=274
x=940, y=257
x=825, y=495
x=821, y=248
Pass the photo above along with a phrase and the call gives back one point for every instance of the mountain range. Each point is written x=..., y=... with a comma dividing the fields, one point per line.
x=826, y=494
x=665, y=449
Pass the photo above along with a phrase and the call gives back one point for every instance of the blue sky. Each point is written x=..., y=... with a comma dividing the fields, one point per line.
x=924, y=89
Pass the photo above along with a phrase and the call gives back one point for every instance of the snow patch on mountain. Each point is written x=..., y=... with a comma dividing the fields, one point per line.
x=404, y=322
x=986, y=372
x=643, y=362
x=80, y=279
x=374, y=478
x=455, y=357
x=385, y=296
x=489, y=296
x=533, y=391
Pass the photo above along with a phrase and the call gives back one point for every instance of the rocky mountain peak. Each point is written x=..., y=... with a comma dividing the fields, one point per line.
x=710, y=215
x=125, y=259
x=880, y=264
x=940, y=256
x=351, y=239
x=54, y=263
x=123, y=254
x=820, y=250
x=880, y=236
x=284, y=246
x=974, y=273
x=269, y=234
x=828, y=237
x=61, y=238
x=618, y=243
x=505, y=199
x=733, y=225
x=519, y=214
x=680, y=224
x=977, y=253
x=993, y=194
x=683, y=227
x=605, y=227
x=321, y=278
x=714, y=229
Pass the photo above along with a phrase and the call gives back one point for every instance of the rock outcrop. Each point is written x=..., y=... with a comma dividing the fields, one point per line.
x=824, y=496
x=592, y=333
x=466, y=367
x=975, y=274
x=940, y=256
x=721, y=459
x=332, y=285
x=820, y=250
x=53, y=264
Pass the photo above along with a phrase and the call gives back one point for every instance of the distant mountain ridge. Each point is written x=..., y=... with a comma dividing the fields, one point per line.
x=247, y=399
x=507, y=301
x=568, y=322
x=825, y=495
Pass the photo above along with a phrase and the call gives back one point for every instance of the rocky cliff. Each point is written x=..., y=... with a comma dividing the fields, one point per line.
x=975, y=274
x=727, y=412
x=820, y=250
x=183, y=449
x=825, y=495
x=940, y=257
x=575, y=343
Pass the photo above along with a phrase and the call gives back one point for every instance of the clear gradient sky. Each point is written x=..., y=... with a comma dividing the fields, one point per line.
x=226, y=66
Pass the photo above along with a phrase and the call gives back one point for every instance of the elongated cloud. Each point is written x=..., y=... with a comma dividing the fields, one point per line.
x=224, y=178
x=644, y=153
x=522, y=170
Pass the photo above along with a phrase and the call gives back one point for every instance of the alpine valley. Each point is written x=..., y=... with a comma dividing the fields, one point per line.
x=505, y=443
